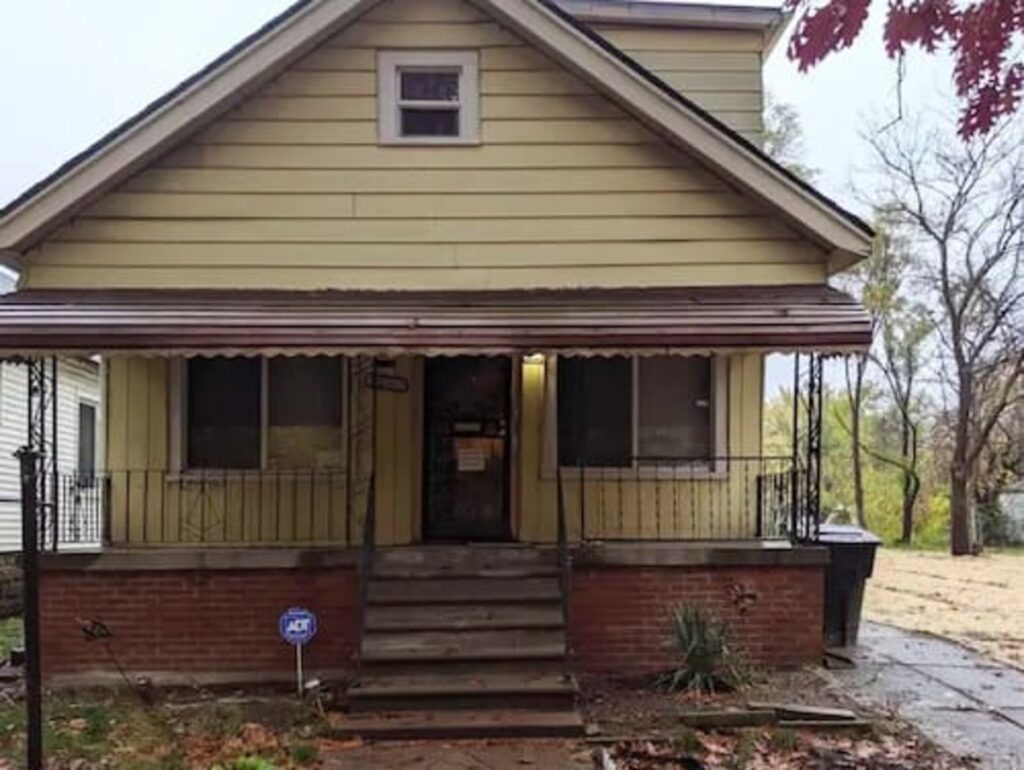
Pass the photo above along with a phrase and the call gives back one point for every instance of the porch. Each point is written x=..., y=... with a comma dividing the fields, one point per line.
x=415, y=450
x=558, y=469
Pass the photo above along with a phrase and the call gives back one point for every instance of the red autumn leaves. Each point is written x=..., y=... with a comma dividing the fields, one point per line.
x=984, y=36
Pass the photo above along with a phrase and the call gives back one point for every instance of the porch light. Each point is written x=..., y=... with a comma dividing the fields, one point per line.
x=534, y=358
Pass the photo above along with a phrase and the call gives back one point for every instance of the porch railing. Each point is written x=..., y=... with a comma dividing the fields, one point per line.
x=686, y=498
x=154, y=508
x=653, y=498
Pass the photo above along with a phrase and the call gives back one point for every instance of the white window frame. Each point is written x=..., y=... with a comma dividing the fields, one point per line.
x=389, y=105
x=87, y=401
x=178, y=434
x=719, y=429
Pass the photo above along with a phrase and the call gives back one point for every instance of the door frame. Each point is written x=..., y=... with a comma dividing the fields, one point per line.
x=511, y=445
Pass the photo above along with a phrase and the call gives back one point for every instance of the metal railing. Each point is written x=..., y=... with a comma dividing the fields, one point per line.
x=687, y=498
x=203, y=508
x=652, y=498
x=564, y=557
x=366, y=555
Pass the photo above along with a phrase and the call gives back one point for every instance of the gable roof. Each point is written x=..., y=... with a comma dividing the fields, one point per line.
x=307, y=23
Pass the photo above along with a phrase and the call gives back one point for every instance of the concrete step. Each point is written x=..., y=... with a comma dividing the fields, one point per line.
x=457, y=590
x=523, y=690
x=465, y=560
x=517, y=644
x=539, y=664
x=458, y=725
x=462, y=617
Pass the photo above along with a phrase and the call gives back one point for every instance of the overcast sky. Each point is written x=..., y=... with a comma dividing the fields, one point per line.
x=74, y=69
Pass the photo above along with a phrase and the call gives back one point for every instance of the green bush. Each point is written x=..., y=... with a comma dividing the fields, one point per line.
x=247, y=763
x=304, y=754
x=706, y=661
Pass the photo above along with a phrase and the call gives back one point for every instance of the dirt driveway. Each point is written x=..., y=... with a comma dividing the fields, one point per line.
x=977, y=601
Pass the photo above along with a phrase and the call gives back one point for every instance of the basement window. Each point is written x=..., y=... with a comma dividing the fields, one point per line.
x=429, y=97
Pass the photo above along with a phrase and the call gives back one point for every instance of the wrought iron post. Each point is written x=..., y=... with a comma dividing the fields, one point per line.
x=815, y=409
x=31, y=466
x=794, y=468
x=42, y=439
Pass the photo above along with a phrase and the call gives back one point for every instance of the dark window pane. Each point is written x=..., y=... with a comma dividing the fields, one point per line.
x=675, y=408
x=419, y=122
x=595, y=411
x=86, y=441
x=305, y=391
x=305, y=408
x=429, y=86
x=224, y=412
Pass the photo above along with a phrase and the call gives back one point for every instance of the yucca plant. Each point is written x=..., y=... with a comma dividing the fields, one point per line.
x=706, y=661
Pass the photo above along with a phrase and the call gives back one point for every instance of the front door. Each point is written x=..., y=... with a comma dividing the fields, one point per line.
x=467, y=448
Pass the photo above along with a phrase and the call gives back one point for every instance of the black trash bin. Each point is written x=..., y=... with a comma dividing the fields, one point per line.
x=851, y=562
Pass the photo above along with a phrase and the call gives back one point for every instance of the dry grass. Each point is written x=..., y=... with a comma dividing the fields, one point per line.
x=977, y=601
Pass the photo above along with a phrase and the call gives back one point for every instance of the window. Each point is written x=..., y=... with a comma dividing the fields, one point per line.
x=305, y=413
x=251, y=413
x=429, y=97
x=224, y=413
x=620, y=412
x=86, y=443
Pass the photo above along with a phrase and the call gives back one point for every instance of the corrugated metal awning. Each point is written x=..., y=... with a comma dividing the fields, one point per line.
x=583, y=321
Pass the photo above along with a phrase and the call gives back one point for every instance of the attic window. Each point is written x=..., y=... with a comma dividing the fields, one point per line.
x=429, y=97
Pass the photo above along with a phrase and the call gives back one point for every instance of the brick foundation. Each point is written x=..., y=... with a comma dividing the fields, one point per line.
x=620, y=615
x=175, y=621
x=204, y=622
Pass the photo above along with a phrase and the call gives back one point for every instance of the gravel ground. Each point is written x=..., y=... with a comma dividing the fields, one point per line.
x=976, y=601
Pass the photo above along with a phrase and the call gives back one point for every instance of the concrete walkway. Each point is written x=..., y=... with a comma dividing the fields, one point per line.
x=967, y=703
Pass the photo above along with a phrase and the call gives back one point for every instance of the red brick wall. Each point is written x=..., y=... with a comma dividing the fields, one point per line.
x=195, y=621
x=620, y=615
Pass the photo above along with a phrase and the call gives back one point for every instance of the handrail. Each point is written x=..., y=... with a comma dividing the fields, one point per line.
x=564, y=557
x=366, y=553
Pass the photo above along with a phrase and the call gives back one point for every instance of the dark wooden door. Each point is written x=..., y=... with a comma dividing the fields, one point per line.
x=466, y=457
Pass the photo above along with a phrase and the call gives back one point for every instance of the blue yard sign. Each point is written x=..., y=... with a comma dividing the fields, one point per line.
x=297, y=626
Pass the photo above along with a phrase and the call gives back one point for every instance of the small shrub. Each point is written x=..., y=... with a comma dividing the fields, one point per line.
x=706, y=661
x=687, y=741
x=783, y=740
x=247, y=763
x=304, y=754
x=743, y=754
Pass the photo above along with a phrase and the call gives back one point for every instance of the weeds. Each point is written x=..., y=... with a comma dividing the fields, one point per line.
x=707, y=663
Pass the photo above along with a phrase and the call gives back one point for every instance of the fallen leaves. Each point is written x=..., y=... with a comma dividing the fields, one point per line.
x=764, y=750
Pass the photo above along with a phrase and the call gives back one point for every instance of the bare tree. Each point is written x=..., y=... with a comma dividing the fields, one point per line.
x=965, y=204
x=904, y=328
x=901, y=328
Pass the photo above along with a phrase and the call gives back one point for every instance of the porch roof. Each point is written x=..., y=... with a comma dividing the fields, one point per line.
x=580, y=321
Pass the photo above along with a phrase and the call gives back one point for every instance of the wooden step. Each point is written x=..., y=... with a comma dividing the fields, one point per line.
x=458, y=725
x=461, y=617
x=540, y=691
x=520, y=644
x=463, y=590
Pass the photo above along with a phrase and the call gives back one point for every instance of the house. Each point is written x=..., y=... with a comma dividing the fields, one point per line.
x=1011, y=505
x=446, y=320
x=78, y=431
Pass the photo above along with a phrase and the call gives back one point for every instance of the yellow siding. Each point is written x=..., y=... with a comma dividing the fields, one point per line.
x=619, y=506
x=291, y=190
x=151, y=504
x=720, y=70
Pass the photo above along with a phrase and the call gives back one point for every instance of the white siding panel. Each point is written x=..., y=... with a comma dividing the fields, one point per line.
x=77, y=381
